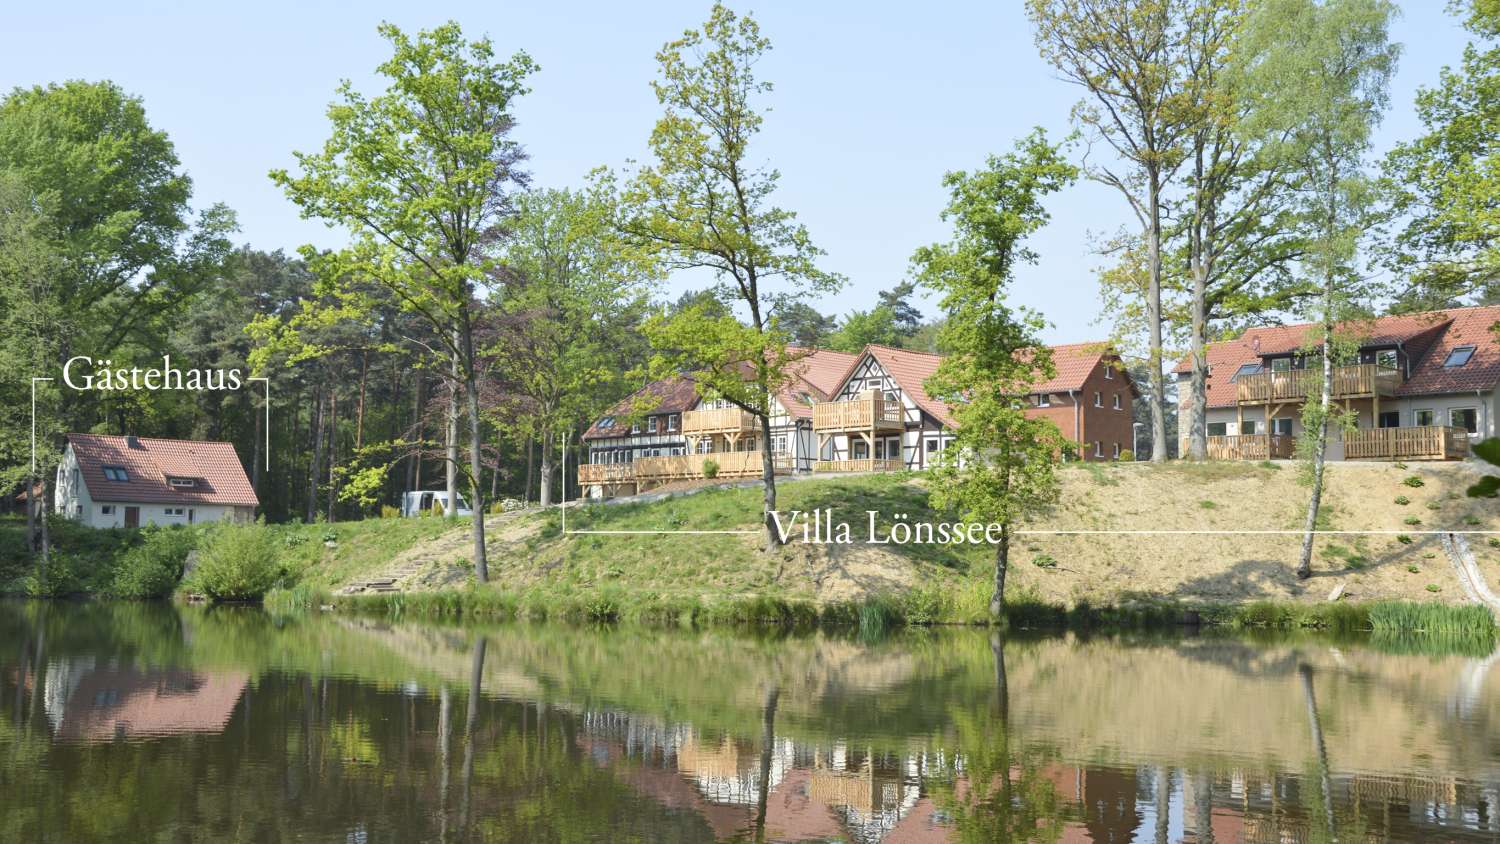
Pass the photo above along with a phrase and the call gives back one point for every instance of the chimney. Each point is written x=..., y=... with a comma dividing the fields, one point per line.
x=131, y=441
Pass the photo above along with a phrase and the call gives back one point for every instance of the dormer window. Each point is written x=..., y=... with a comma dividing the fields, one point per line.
x=1458, y=357
x=116, y=473
x=607, y=422
x=182, y=483
x=1043, y=400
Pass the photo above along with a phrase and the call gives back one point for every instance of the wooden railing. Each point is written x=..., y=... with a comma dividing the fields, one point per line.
x=720, y=421
x=1251, y=447
x=605, y=473
x=1425, y=442
x=860, y=465
x=867, y=412
x=732, y=464
x=1365, y=379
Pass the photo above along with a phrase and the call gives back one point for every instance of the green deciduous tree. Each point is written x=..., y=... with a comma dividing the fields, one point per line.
x=1131, y=59
x=422, y=176
x=704, y=204
x=568, y=322
x=1322, y=76
x=860, y=328
x=1000, y=466
x=1445, y=184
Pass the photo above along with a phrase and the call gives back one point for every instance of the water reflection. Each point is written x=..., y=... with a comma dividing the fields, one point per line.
x=124, y=722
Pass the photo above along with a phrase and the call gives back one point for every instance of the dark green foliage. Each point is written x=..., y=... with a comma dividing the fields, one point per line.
x=153, y=568
x=1413, y=481
x=237, y=563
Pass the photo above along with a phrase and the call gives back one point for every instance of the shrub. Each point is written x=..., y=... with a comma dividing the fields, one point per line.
x=1402, y=500
x=1433, y=587
x=1127, y=456
x=1413, y=481
x=1471, y=520
x=1414, y=569
x=710, y=468
x=1403, y=539
x=237, y=563
x=1411, y=520
x=152, y=569
x=1494, y=542
x=1207, y=505
x=389, y=512
x=1045, y=561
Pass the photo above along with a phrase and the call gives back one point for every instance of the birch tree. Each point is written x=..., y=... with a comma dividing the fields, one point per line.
x=1323, y=75
x=704, y=203
x=422, y=177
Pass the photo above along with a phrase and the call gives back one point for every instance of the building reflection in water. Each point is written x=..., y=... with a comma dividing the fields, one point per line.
x=88, y=702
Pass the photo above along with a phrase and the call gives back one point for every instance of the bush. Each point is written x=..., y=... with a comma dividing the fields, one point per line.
x=1127, y=456
x=1402, y=500
x=710, y=468
x=237, y=563
x=152, y=569
x=1413, y=481
x=389, y=512
x=1412, y=520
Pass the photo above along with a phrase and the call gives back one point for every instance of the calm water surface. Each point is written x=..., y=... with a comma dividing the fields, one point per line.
x=124, y=722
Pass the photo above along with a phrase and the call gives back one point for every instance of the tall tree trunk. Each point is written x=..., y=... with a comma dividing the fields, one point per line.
x=359, y=411
x=42, y=512
x=450, y=440
x=32, y=540
x=333, y=450
x=1002, y=564
x=771, y=537
x=476, y=491
x=530, y=469
x=1320, y=445
x=255, y=449
x=1153, y=321
x=544, y=498
x=471, y=725
x=1200, y=262
x=414, y=461
x=315, y=433
x=1315, y=726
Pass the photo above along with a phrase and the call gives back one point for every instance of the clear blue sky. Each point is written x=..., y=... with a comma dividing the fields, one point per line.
x=874, y=101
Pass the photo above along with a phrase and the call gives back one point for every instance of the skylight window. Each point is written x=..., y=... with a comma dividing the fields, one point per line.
x=607, y=422
x=1247, y=369
x=185, y=483
x=116, y=473
x=1458, y=357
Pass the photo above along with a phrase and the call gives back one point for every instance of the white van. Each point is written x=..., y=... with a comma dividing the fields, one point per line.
x=423, y=501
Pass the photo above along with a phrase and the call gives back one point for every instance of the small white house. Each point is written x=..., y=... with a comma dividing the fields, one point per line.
x=107, y=481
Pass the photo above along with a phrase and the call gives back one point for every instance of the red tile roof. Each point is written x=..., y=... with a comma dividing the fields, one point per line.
x=1427, y=338
x=824, y=368
x=911, y=370
x=214, y=467
x=1074, y=363
x=672, y=395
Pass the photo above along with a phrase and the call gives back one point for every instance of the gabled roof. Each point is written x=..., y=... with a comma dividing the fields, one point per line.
x=910, y=370
x=1074, y=363
x=1426, y=337
x=823, y=368
x=214, y=468
x=673, y=395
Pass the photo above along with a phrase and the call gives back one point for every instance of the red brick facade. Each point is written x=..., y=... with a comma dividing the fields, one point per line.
x=1103, y=430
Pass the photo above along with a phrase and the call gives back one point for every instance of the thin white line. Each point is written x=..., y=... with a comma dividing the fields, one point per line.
x=33, y=424
x=663, y=532
x=1287, y=532
x=268, y=418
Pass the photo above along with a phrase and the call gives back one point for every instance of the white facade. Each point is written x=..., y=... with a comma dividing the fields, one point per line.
x=74, y=500
x=918, y=446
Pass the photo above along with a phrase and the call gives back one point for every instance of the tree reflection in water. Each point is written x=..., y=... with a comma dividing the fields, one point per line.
x=134, y=722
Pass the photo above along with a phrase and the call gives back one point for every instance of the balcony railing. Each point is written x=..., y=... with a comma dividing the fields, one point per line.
x=727, y=420
x=1359, y=380
x=859, y=465
x=605, y=473
x=656, y=470
x=1251, y=447
x=870, y=411
x=1424, y=442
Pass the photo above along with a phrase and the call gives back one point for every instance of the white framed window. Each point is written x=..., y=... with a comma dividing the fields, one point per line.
x=1117, y=401
x=635, y=427
x=1098, y=448
x=1423, y=417
x=1464, y=417
x=1116, y=453
x=1386, y=359
x=1218, y=429
x=651, y=424
x=174, y=511
x=705, y=446
x=1043, y=400
x=1098, y=399
x=107, y=510
x=778, y=444
x=1282, y=426
x=182, y=482
x=672, y=421
x=1109, y=372
x=116, y=473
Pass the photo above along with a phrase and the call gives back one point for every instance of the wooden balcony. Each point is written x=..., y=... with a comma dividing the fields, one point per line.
x=871, y=411
x=1425, y=442
x=729, y=420
x=859, y=465
x=606, y=473
x=1252, y=447
x=1363, y=380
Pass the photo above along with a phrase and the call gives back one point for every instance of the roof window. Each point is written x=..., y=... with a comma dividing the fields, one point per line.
x=1458, y=357
x=184, y=483
x=116, y=473
x=1246, y=369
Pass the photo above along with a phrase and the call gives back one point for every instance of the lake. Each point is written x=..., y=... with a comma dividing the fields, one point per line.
x=147, y=722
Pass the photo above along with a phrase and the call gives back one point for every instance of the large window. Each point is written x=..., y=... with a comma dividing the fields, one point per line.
x=1385, y=359
x=1282, y=426
x=116, y=473
x=1389, y=419
x=1218, y=429
x=1248, y=426
x=651, y=424
x=1281, y=364
x=1423, y=417
x=1464, y=417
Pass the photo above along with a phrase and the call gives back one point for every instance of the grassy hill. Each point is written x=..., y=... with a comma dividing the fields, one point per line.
x=531, y=557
